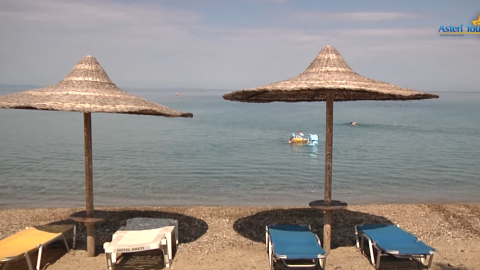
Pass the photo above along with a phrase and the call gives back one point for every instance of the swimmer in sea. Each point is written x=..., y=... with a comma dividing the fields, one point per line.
x=353, y=123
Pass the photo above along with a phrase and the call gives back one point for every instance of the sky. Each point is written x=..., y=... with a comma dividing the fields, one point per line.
x=237, y=44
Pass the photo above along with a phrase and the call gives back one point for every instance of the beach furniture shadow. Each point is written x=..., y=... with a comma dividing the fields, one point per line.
x=343, y=228
x=53, y=254
x=189, y=228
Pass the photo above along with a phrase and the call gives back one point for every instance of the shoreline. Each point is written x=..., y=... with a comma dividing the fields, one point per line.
x=232, y=237
x=10, y=205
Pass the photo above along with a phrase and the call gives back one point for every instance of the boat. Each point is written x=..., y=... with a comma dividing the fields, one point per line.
x=298, y=140
x=312, y=139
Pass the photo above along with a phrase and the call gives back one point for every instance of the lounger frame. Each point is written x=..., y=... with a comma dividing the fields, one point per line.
x=26, y=255
x=360, y=240
x=163, y=241
x=321, y=260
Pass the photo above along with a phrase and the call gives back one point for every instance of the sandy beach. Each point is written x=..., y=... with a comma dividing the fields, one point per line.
x=233, y=237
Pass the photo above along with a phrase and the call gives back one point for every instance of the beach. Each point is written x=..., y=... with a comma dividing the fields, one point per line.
x=221, y=237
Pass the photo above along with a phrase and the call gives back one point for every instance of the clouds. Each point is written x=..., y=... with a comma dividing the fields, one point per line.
x=356, y=17
x=169, y=43
x=90, y=12
x=90, y=17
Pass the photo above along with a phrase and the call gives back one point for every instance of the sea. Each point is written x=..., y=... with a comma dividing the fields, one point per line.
x=237, y=154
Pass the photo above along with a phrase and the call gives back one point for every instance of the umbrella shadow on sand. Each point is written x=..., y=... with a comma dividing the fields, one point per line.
x=189, y=229
x=343, y=229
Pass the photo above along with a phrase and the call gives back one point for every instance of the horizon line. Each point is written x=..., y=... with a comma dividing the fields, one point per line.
x=185, y=88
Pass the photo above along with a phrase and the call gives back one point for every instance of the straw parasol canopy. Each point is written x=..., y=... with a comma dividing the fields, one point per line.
x=328, y=78
x=87, y=89
x=328, y=72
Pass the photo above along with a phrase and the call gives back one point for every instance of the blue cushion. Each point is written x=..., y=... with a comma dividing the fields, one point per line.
x=292, y=252
x=294, y=242
x=392, y=239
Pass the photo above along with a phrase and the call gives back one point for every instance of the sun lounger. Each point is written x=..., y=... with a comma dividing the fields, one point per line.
x=136, y=241
x=392, y=240
x=21, y=244
x=142, y=234
x=290, y=243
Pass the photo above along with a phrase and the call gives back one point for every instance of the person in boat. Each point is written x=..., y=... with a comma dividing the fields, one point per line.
x=291, y=138
x=353, y=123
x=299, y=135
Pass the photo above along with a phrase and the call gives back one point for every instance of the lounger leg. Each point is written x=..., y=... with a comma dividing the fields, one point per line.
x=430, y=261
x=362, y=242
x=5, y=266
x=379, y=256
x=323, y=263
x=66, y=244
x=113, y=257
x=266, y=238
x=357, y=242
x=169, y=246
x=29, y=262
x=108, y=257
x=270, y=254
x=372, y=254
x=39, y=257
x=74, y=240
x=176, y=232
x=267, y=243
x=166, y=257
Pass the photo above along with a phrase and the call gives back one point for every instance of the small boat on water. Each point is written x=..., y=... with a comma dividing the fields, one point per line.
x=312, y=139
x=298, y=140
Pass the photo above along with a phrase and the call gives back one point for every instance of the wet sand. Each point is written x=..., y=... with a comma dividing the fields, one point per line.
x=233, y=238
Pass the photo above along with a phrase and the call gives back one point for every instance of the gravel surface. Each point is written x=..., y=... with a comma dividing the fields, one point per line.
x=233, y=237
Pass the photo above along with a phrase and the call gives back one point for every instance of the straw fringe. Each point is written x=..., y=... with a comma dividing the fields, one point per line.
x=328, y=72
x=87, y=89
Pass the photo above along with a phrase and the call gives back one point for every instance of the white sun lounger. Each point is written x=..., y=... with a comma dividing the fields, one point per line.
x=140, y=240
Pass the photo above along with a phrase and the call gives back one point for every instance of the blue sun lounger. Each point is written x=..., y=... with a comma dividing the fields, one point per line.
x=294, y=242
x=392, y=240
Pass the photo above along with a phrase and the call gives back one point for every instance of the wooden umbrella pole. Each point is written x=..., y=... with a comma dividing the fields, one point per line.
x=328, y=172
x=87, y=132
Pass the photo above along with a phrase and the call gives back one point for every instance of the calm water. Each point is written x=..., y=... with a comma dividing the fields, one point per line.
x=234, y=153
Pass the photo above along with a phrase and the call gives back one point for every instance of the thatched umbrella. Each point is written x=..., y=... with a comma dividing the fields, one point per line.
x=87, y=89
x=328, y=78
